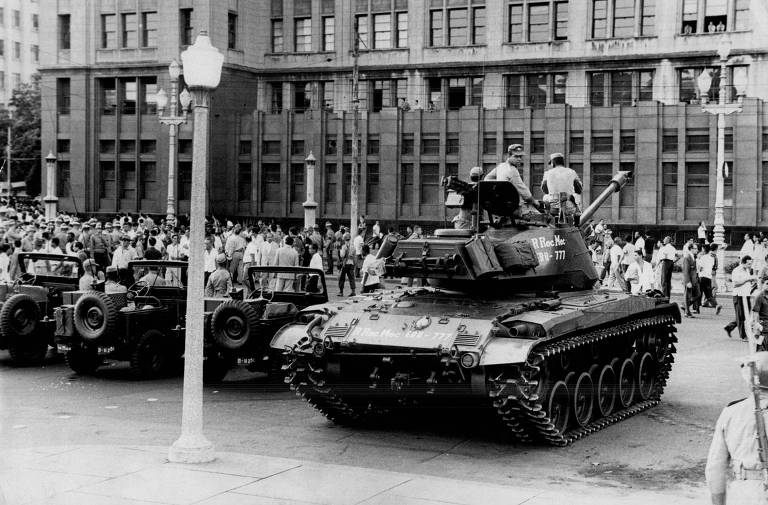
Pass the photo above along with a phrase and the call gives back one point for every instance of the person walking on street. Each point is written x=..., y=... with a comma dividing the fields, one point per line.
x=667, y=258
x=743, y=282
x=691, y=280
x=760, y=316
x=347, y=262
x=707, y=266
x=734, y=451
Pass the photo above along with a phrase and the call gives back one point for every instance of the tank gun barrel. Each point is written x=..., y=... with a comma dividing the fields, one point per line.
x=619, y=181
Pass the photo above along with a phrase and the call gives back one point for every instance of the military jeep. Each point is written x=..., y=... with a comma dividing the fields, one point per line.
x=143, y=326
x=238, y=331
x=26, y=316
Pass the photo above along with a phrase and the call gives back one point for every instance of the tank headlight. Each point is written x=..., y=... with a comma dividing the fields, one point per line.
x=318, y=349
x=469, y=360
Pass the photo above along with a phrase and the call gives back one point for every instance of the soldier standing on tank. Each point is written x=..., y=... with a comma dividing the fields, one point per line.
x=510, y=171
x=734, y=448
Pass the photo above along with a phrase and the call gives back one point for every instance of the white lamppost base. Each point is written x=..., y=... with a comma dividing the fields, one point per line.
x=191, y=449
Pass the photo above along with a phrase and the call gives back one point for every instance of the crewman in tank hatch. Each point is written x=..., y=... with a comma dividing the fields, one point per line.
x=561, y=184
x=510, y=171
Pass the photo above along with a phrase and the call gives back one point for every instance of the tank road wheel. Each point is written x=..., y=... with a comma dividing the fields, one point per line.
x=627, y=377
x=605, y=389
x=559, y=406
x=583, y=399
x=646, y=376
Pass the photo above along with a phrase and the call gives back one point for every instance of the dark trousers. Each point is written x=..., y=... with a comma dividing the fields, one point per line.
x=692, y=298
x=329, y=260
x=706, y=291
x=101, y=258
x=347, y=271
x=738, y=306
x=666, y=277
x=205, y=278
x=126, y=277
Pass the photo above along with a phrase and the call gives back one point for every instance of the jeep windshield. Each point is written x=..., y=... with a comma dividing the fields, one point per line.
x=278, y=279
x=159, y=274
x=50, y=265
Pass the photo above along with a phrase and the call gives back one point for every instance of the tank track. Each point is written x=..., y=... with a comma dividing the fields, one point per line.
x=515, y=392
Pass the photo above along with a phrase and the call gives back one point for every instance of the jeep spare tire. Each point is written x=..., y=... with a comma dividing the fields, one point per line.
x=95, y=315
x=19, y=316
x=232, y=324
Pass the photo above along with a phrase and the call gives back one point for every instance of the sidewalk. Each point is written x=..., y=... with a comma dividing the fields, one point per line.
x=131, y=475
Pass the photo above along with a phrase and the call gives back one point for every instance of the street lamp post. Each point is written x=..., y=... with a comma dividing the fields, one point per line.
x=721, y=109
x=202, y=72
x=51, y=201
x=310, y=206
x=173, y=119
x=8, y=145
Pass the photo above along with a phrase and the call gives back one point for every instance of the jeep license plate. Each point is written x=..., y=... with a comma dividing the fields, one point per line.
x=63, y=348
x=106, y=350
x=246, y=361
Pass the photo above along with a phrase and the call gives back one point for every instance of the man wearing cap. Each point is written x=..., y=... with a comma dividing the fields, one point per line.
x=112, y=285
x=99, y=246
x=561, y=183
x=220, y=282
x=734, y=449
x=286, y=257
x=510, y=171
x=328, y=243
x=91, y=275
x=234, y=249
x=122, y=255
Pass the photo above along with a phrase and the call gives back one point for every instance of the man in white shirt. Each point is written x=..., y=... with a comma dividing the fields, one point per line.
x=317, y=260
x=357, y=244
x=748, y=249
x=561, y=182
x=640, y=242
x=667, y=257
x=616, y=274
x=209, y=259
x=639, y=274
x=120, y=258
x=706, y=267
x=372, y=270
x=509, y=171
x=743, y=283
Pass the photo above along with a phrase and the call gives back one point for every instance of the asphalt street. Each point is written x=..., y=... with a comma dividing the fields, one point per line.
x=663, y=448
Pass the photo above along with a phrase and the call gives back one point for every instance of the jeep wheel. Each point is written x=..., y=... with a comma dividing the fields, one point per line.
x=83, y=359
x=215, y=367
x=152, y=356
x=95, y=315
x=19, y=319
x=232, y=324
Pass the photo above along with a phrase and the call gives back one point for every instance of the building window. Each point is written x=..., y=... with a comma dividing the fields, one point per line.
x=16, y=19
x=537, y=142
x=270, y=187
x=297, y=193
x=328, y=95
x=712, y=16
x=148, y=186
x=2, y=15
x=669, y=185
x=530, y=21
x=16, y=80
x=107, y=179
x=108, y=31
x=62, y=146
x=346, y=183
x=108, y=97
x=534, y=90
x=623, y=15
x=627, y=194
x=741, y=15
x=688, y=88
x=270, y=148
x=600, y=177
x=35, y=22
x=63, y=96
x=489, y=144
x=302, y=35
x=382, y=31
x=648, y=22
x=452, y=144
x=2, y=47
x=697, y=141
x=627, y=142
x=302, y=96
x=330, y=182
x=35, y=51
x=373, y=145
x=130, y=33
x=765, y=185
x=127, y=146
x=185, y=146
x=277, y=36
x=275, y=97
x=127, y=180
x=106, y=146
x=430, y=146
x=406, y=144
x=128, y=96
x=621, y=87
x=406, y=183
x=186, y=34
x=149, y=29
x=297, y=148
x=697, y=185
x=361, y=23
x=329, y=33
x=64, y=34
x=512, y=138
x=386, y=93
x=148, y=146
x=330, y=146
x=576, y=144
x=430, y=183
x=347, y=147
x=148, y=95
x=17, y=50
x=184, y=185
x=62, y=178
x=372, y=183
x=602, y=142
x=245, y=148
x=451, y=26
x=669, y=141
x=402, y=29
x=232, y=30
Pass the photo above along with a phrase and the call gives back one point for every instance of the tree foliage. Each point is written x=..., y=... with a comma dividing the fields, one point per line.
x=25, y=135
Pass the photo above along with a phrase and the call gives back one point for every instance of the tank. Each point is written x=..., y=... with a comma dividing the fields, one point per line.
x=507, y=315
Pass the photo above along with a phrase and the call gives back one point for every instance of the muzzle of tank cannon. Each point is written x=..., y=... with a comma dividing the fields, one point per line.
x=617, y=183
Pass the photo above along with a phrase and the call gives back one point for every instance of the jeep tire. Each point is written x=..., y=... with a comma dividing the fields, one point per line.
x=83, y=359
x=152, y=357
x=233, y=323
x=95, y=315
x=19, y=322
x=216, y=366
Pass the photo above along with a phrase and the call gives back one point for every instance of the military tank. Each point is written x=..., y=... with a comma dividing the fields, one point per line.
x=506, y=316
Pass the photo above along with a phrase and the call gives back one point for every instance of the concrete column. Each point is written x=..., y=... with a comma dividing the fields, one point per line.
x=51, y=200
x=310, y=206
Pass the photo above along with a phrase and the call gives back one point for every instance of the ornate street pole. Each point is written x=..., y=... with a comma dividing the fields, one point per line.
x=721, y=108
x=173, y=119
x=51, y=200
x=310, y=206
x=202, y=71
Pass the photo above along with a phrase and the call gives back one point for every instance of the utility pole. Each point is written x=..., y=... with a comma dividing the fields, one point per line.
x=355, y=133
x=8, y=152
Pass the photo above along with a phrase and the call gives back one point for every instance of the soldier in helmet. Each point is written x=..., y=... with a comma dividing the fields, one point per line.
x=734, y=449
x=510, y=171
x=463, y=220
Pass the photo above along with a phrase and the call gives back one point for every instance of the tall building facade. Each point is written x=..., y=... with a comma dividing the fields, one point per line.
x=444, y=85
x=19, y=44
